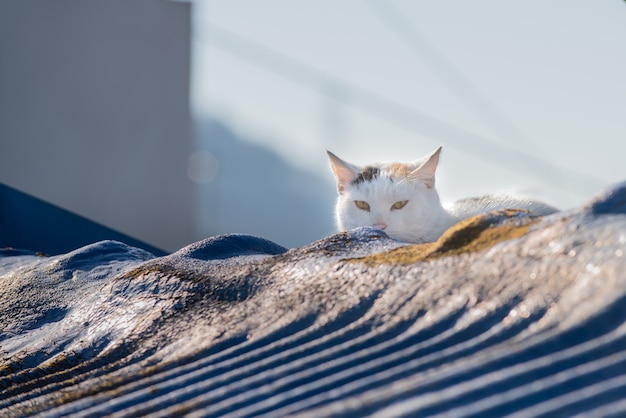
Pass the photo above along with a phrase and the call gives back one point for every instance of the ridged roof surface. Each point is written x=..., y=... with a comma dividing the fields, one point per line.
x=505, y=315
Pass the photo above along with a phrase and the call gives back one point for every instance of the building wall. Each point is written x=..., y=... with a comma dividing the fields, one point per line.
x=94, y=111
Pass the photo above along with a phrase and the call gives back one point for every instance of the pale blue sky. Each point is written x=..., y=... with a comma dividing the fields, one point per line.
x=525, y=96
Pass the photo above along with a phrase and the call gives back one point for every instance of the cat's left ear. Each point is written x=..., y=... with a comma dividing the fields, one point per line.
x=344, y=172
x=426, y=171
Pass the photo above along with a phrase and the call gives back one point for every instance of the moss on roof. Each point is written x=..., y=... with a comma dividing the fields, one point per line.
x=470, y=235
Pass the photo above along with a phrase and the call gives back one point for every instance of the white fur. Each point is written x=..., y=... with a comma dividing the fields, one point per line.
x=468, y=207
x=423, y=219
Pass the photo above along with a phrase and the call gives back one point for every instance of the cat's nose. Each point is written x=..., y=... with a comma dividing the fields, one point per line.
x=380, y=226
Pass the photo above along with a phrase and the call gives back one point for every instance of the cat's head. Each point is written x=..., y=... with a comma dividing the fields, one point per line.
x=399, y=198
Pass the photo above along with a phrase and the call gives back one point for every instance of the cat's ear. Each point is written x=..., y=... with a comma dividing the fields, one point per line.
x=344, y=172
x=426, y=170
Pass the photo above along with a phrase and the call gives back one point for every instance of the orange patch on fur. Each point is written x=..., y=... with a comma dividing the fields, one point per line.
x=399, y=170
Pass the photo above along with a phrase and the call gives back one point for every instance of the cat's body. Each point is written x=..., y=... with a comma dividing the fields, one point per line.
x=471, y=206
x=401, y=199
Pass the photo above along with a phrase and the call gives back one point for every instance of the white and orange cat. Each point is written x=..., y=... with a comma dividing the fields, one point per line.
x=401, y=199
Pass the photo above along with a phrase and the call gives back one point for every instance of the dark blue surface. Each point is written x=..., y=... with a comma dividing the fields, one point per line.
x=232, y=245
x=613, y=201
x=31, y=224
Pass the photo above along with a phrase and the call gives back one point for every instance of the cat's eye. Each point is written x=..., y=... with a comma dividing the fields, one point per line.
x=399, y=204
x=362, y=205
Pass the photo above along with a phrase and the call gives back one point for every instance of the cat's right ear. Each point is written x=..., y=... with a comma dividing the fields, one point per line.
x=344, y=172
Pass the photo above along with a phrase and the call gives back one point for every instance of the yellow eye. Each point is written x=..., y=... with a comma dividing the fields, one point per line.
x=399, y=204
x=362, y=205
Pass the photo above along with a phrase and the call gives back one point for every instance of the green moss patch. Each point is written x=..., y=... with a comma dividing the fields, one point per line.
x=470, y=235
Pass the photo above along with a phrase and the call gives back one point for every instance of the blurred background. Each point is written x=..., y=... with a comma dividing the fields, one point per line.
x=176, y=121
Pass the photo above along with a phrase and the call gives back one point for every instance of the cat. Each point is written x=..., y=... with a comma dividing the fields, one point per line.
x=401, y=199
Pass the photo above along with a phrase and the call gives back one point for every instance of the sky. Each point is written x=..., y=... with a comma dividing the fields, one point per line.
x=526, y=97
